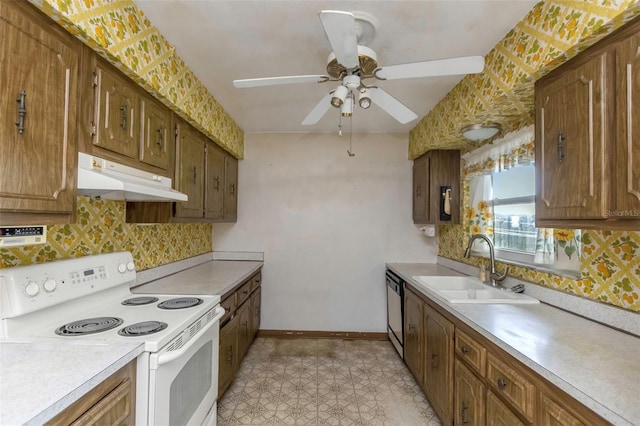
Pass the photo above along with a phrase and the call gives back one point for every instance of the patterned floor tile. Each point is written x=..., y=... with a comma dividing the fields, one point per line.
x=324, y=382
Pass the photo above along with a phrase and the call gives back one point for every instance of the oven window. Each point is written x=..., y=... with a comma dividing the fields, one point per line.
x=191, y=386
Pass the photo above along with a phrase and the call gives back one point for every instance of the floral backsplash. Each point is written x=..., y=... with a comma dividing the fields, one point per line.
x=550, y=34
x=119, y=31
x=100, y=228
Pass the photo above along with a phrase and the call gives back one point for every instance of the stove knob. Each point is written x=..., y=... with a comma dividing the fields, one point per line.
x=31, y=289
x=49, y=285
x=131, y=266
x=122, y=268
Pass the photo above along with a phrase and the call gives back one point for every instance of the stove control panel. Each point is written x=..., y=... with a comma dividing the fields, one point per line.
x=31, y=288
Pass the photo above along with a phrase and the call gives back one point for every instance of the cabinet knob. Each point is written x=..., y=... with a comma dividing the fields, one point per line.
x=501, y=383
x=464, y=350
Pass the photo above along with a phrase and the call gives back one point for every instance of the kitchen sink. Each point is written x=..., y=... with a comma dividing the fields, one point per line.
x=470, y=290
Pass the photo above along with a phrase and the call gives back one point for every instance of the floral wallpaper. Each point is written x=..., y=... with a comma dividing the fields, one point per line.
x=100, y=228
x=550, y=34
x=119, y=31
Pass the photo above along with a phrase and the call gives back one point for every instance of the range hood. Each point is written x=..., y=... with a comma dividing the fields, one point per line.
x=98, y=177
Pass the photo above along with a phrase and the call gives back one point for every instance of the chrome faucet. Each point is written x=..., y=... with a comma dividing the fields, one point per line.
x=493, y=275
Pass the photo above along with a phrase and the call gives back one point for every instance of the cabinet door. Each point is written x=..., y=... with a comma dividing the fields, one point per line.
x=571, y=134
x=438, y=374
x=116, y=118
x=498, y=414
x=413, y=352
x=628, y=128
x=244, y=328
x=255, y=312
x=38, y=108
x=231, y=187
x=190, y=175
x=228, y=355
x=421, y=190
x=469, y=405
x=214, y=183
x=155, y=135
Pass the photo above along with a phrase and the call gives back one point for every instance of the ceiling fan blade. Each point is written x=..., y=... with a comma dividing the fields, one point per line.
x=340, y=28
x=318, y=111
x=435, y=68
x=277, y=81
x=392, y=106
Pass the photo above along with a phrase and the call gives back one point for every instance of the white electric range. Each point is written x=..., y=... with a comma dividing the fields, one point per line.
x=89, y=298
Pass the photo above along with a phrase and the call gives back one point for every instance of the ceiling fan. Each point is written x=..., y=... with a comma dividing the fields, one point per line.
x=351, y=63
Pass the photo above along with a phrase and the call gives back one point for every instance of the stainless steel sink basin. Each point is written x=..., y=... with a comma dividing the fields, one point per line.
x=470, y=290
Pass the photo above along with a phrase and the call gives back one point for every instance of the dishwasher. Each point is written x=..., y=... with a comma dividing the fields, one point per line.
x=395, y=310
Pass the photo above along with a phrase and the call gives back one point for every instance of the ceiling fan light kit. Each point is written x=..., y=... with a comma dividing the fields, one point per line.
x=350, y=62
x=480, y=132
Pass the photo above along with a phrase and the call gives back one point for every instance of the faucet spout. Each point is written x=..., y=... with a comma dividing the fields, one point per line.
x=495, y=276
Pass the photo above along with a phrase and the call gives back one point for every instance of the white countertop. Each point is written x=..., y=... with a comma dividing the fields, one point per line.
x=39, y=379
x=213, y=277
x=597, y=365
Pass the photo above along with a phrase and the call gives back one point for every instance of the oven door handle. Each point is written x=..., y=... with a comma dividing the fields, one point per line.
x=170, y=356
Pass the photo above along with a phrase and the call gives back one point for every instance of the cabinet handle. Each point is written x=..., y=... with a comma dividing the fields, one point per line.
x=418, y=190
x=123, y=117
x=501, y=383
x=195, y=174
x=160, y=137
x=434, y=360
x=561, y=139
x=463, y=413
x=233, y=189
x=245, y=324
x=464, y=350
x=230, y=353
x=22, y=111
x=217, y=187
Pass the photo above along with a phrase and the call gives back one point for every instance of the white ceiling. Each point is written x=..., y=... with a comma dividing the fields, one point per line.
x=226, y=40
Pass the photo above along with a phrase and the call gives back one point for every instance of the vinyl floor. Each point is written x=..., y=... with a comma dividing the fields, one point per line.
x=324, y=382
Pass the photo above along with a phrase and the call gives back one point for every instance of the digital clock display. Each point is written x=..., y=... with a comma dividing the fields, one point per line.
x=88, y=272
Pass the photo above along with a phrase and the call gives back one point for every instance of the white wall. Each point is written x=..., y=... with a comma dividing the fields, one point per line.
x=326, y=223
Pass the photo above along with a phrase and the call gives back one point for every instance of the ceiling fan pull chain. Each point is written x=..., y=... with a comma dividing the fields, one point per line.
x=351, y=154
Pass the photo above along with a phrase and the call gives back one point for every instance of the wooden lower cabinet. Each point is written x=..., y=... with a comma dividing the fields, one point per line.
x=438, y=370
x=498, y=414
x=238, y=328
x=413, y=334
x=228, y=356
x=112, y=402
x=469, y=380
x=469, y=398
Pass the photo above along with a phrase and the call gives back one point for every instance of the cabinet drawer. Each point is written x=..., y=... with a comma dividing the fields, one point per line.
x=471, y=351
x=499, y=414
x=228, y=304
x=513, y=386
x=243, y=292
x=256, y=280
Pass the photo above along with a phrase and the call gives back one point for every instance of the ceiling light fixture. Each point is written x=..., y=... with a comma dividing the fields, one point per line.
x=347, y=106
x=339, y=96
x=365, y=98
x=479, y=132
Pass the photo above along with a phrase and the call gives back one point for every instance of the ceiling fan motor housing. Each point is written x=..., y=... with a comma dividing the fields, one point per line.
x=367, y=59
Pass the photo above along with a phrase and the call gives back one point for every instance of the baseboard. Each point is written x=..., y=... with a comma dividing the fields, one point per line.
x=304, y=334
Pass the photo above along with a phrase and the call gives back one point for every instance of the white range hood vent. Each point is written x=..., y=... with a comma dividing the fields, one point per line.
x=98, y=177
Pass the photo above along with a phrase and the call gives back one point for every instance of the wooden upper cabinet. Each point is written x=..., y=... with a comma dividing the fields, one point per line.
x=215, y=182
x=190, y=171
x=38, y=109
x=438, y=371
x=571, y=142
x=156, y=135
x=433, y=173
x=231, y=188
x=116, y=115
x=627, y=168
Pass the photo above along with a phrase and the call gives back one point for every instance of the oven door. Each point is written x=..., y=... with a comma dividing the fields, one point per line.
x=183, y=383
